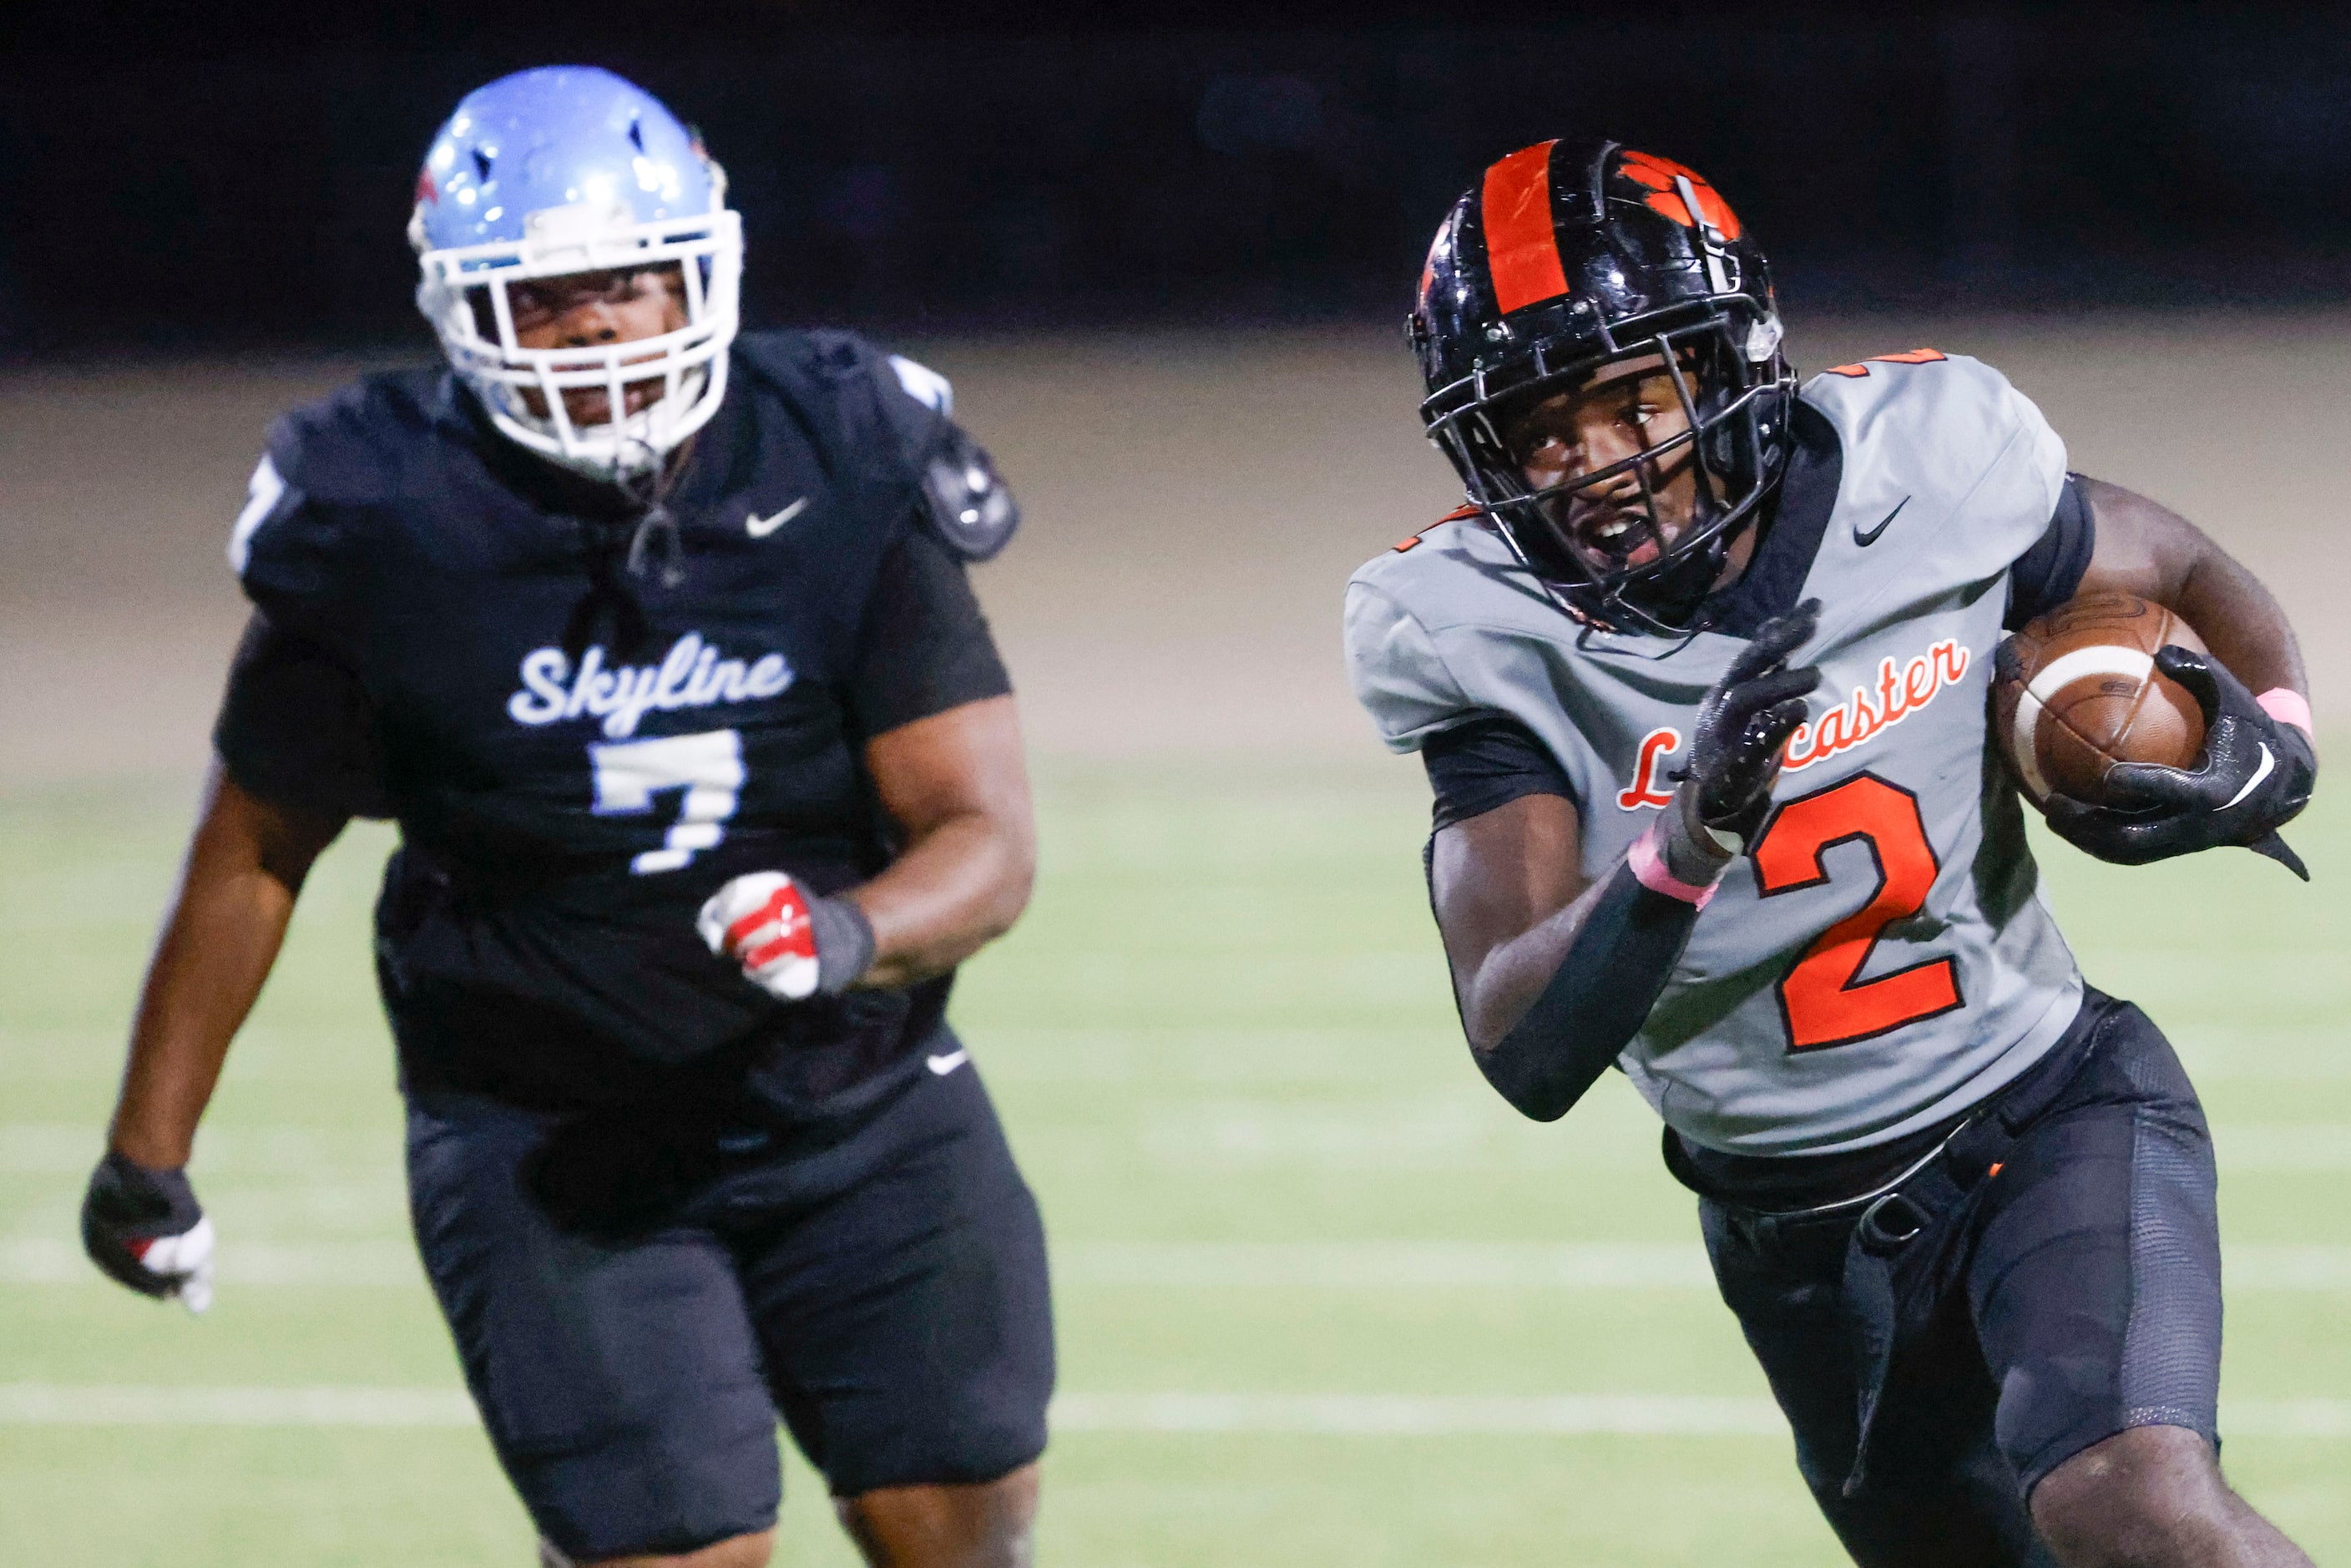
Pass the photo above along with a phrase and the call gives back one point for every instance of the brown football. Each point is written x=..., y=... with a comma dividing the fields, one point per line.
x=2076, y=691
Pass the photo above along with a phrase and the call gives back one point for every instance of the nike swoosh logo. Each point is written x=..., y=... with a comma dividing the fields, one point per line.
x=943, y=1066
x=2268, y=763
x=1867, y=539
x=759, y=528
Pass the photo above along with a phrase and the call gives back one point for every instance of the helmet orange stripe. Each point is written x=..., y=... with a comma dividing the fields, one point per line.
x=1522, y=248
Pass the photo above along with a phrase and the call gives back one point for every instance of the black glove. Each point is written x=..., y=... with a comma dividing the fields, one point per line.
x=1743, y=722
x=2255, y=774
x=146, y=1230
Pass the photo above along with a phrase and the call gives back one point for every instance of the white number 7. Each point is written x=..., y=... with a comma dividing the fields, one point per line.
x=707, y=767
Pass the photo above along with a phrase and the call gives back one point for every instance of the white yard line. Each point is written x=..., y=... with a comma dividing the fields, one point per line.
x=55, y=1260
x=1185, y=1265
x=292, y=1152
x=1421, y=1415
x=118, y=1405
x=1289, y=1415
x=1385, y=1265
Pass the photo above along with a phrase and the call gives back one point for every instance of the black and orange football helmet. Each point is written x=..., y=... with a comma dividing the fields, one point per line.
x=1567, y=257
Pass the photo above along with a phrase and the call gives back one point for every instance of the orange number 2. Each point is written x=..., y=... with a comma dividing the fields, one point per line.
x=1822, y=1000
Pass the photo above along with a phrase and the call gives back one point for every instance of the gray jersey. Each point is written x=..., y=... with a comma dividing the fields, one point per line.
x=1884, y=958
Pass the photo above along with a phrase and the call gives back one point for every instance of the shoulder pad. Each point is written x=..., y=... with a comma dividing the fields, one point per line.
x=1914, y=357
x=329, y=469
x=789, y=357
x=964, y=502
x=365, y=441
x=290, y=553
x=369, y=442
x=1412, y=541
x=1946, y=446
x=924, y=385
x=968, y=503
x=1960, y=406
x=1397, y=672
x=267, y=496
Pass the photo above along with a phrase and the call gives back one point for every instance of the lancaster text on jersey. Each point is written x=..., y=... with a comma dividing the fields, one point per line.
x=1900, y=693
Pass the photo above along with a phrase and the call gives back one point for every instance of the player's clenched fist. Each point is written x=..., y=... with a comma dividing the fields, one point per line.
x=145, y=1228
x=791, y=942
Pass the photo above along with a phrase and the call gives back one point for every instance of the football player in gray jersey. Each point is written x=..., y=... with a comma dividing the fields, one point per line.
x=1699, y=676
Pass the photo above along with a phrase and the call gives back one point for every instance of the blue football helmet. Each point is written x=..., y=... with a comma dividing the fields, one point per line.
x=569, y=169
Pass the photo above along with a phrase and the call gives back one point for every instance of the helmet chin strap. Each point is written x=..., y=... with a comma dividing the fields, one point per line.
x=647, y=483
x=635, y=456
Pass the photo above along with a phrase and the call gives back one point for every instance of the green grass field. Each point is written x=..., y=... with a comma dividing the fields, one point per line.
x=1222, y=1043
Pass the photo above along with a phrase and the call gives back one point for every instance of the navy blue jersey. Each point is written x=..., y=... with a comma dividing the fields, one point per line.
x=583, y=728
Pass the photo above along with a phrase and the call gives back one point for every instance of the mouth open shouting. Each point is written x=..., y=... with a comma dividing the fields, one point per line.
x=1611, y=461
x=1623, y=537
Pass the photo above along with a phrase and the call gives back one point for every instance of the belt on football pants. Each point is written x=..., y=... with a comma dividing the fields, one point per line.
x=1895, y=1253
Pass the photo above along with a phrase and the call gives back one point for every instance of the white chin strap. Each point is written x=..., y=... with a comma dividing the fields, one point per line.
x=524, y=388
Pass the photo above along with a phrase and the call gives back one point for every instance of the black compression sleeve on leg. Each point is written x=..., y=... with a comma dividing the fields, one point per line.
x=1595, y=1002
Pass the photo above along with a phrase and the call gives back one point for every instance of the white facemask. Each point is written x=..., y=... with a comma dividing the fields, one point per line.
x=689, y=364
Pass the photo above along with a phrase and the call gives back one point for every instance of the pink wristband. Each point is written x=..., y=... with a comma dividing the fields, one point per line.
x=1648, y=864
x=2287, y=705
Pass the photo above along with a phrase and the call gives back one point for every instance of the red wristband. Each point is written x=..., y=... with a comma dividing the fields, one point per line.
x=2287, y=705
x=1647, y=861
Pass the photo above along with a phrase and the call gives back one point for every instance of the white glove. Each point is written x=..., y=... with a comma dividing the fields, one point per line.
x=185, y=1259
x=792, y=944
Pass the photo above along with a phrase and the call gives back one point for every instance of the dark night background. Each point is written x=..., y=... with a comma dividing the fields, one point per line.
x=181, y=180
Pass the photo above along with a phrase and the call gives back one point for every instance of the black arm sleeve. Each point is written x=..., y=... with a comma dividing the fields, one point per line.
x=297, y=728
x=926, y=647
x=2048, y=574
x=1596, y=1000
x=1488, y=761
x=1622, y=956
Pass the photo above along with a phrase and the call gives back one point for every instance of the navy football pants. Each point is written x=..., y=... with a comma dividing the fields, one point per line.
x=886, y=1296
x=2074, y=1293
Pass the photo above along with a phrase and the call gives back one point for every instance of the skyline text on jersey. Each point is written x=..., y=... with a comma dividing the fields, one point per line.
x=691, y=675
x=1901, y=691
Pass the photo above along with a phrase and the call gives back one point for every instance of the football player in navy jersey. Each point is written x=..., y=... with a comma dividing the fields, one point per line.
x=655, y=640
